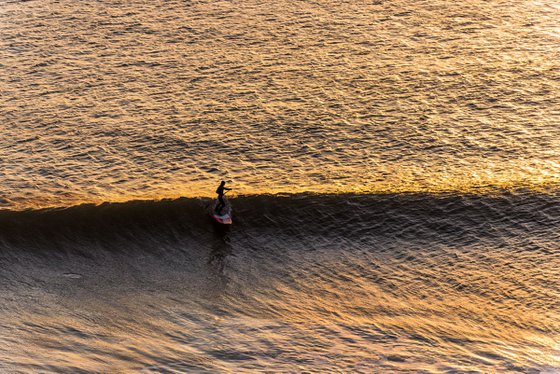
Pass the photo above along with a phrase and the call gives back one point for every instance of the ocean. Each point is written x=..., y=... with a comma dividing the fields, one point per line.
x=395, y=169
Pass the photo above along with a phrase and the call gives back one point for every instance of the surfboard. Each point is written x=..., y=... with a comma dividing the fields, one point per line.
x=225, y=217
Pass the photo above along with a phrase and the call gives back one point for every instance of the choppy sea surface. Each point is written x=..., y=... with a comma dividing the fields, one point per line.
x=396, y=176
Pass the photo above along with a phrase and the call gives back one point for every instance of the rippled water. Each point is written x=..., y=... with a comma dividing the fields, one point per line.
x=396, y=165
x=115, y=100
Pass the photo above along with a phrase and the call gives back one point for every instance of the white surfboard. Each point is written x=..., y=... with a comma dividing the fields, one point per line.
x=225, y=217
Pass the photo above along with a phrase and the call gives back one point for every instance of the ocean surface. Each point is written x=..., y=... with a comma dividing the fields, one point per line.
x=395, y=168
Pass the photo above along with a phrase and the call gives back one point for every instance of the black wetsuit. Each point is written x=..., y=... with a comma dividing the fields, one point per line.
x=222, y=203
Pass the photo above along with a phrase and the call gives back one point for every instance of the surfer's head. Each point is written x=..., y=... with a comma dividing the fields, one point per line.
x=222, y=183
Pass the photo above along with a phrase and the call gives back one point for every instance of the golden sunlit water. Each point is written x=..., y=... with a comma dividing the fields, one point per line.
x=396, y=175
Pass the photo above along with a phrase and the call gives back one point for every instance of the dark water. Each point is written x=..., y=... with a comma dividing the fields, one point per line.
x=396, y=282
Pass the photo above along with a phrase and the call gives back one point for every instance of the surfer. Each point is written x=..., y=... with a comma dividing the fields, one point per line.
x=220, y=192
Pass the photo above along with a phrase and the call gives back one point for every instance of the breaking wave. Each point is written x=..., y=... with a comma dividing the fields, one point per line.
x=458, y=219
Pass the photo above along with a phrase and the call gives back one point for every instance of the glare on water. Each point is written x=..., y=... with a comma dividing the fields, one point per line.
x=421, y=138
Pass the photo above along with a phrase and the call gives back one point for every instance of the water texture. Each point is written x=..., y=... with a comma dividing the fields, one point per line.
x=396, y=174
x=114, y=100
x=391, y=282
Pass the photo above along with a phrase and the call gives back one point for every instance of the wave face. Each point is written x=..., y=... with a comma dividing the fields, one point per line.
x=448, y=218
x=394, y=281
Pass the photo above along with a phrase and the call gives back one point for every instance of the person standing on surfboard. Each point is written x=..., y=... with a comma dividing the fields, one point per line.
x=220, y=192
